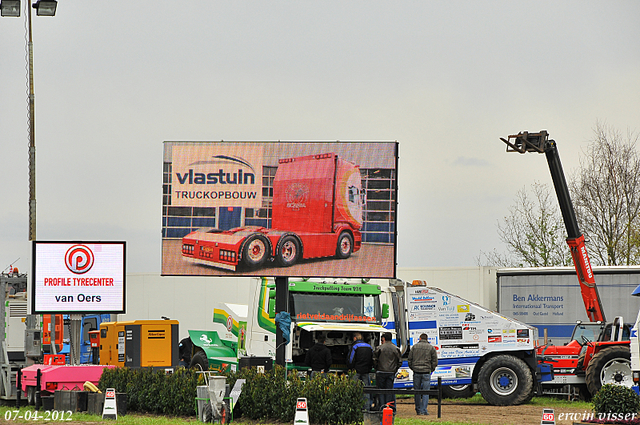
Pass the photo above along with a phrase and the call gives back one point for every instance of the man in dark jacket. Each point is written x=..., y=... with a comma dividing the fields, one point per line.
x=423, y=360
x=387, y=361
x=361, y=359
x=318, y=357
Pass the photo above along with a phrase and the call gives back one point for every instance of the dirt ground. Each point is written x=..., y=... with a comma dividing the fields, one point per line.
x=490, y=415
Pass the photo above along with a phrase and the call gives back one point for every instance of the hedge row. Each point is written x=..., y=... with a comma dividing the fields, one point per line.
x=152, y=391
x=270, y=396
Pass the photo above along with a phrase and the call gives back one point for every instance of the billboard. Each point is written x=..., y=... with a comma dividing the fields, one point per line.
x=78, y=277
x=307, y=209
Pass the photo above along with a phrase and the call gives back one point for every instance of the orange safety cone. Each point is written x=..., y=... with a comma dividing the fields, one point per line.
x=387, y=414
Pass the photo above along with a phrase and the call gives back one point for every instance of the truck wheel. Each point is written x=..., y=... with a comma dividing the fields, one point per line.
x=505, y=380
x=199, y=361
x=345, y=245
x=458, y=391
x=255, y=250
x=289, y=251
x=611, y=365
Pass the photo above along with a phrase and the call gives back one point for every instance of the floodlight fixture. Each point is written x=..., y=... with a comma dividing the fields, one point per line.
x=10, y=8
x=45, y=7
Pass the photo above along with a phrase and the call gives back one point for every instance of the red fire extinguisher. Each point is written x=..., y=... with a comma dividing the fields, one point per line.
x=387, y=414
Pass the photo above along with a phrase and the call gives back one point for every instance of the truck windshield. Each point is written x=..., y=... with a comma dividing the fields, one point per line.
x=335, y=307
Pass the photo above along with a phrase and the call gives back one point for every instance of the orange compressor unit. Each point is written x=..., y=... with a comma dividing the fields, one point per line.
x=139, y=343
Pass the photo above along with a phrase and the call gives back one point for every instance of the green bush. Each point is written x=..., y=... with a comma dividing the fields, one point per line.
x=154, y=391
x=616, y=399
x=271, y=396
x=268, y=396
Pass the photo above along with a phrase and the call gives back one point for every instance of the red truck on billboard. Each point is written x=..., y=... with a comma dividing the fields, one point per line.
x=316, y=212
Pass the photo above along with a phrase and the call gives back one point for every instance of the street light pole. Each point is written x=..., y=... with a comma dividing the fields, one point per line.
x=32, y=138
x=43, y=8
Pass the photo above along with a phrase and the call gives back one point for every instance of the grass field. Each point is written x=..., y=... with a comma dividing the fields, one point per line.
x=27, y=415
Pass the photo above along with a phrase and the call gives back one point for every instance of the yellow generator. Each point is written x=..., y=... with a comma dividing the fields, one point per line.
x=139, y=343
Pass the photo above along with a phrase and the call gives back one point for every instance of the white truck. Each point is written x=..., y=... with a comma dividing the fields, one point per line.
x=475, y=346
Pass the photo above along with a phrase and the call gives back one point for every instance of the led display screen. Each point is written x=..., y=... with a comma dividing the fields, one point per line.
x=78, y=277
x=307, y=209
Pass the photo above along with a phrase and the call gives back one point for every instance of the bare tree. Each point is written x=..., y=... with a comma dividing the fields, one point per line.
x=533, y=232
x=606, y=196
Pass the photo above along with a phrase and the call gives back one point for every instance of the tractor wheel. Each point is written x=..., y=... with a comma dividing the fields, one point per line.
x=611, y=365
x=255, y=251
x=199, y=361
x=505, y=380
x=289, y=251
x=583, y=393
x=345, y=245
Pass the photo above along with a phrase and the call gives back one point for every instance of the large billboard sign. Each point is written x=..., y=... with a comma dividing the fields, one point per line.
x=78, y=277
x=308, y=209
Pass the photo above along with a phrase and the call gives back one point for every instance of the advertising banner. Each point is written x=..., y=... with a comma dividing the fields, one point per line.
x=462, y=332
x=550, y=298
x=78, y=277
x=217, y=175
x=307, y=209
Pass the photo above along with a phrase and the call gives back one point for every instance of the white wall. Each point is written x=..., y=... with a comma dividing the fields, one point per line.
x=188, y=299
x=476, y=284
x=191, y=300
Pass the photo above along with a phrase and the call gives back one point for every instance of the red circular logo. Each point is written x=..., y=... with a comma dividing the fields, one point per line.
x=79, y=259
x=229, y=323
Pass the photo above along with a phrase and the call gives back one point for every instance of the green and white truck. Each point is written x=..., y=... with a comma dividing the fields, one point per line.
x=477, y=348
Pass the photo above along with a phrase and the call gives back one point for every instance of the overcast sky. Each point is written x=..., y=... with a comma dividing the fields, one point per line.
x=446, y=79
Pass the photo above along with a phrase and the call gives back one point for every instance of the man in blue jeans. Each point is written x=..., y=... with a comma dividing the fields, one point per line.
x=361, y=360
x=423, y=360
x=387, y=361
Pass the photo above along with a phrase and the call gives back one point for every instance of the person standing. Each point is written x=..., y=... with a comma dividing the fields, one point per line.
x=423, y=360
x=318, y=357
x=361, y=360
x=386, y=359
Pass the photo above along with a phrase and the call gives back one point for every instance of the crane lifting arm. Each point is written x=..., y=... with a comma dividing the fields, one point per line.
x=540, y=143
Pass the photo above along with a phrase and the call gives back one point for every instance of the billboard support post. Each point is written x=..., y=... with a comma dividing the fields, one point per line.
x=74, y=335
x=282, y=294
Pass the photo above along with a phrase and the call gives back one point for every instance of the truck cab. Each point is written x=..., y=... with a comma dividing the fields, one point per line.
x=335, y=311
x=317, y=211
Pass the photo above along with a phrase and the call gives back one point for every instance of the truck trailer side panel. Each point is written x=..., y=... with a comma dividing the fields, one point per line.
x=549, y=298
